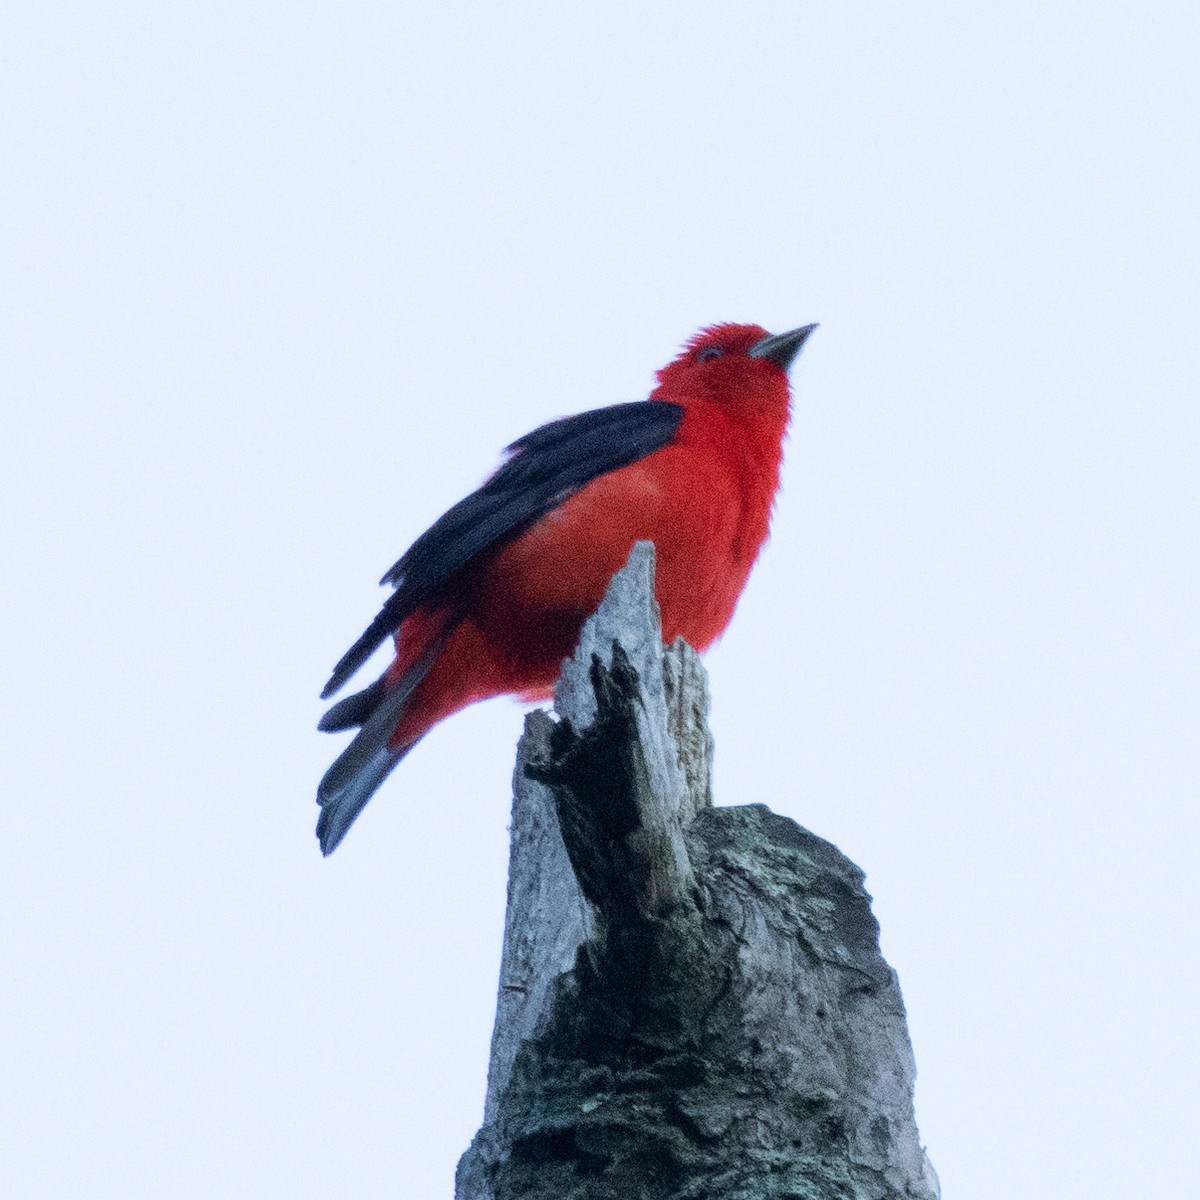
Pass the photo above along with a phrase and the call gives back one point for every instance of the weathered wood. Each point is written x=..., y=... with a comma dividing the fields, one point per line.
x=614, y=769
x=692, y=1000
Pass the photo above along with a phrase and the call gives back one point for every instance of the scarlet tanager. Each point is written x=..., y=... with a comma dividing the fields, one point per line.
x=491, y=598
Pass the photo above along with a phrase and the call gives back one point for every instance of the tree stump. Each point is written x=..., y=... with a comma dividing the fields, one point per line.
x=692, y=1001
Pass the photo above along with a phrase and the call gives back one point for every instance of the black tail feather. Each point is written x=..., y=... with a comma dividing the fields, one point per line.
x=354, y=710
x=358, y=771
x=381, y=628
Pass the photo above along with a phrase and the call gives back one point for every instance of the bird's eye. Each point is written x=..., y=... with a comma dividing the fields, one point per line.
x=709, y=352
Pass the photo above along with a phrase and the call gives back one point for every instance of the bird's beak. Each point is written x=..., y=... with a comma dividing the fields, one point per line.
x=781, y=348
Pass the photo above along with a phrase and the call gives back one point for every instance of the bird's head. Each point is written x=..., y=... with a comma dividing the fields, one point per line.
x=736, y=364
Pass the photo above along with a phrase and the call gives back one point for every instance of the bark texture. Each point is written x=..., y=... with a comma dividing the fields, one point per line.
x=692, y=1002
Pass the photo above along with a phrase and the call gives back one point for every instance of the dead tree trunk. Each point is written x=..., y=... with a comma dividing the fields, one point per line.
x=692, y=1002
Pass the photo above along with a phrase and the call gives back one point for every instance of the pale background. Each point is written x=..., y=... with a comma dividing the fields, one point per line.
x=279, y=280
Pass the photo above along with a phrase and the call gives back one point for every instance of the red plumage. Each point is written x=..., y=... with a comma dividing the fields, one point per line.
x=697, y=477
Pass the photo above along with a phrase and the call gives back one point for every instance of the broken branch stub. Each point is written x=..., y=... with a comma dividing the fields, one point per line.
x=692, y=1002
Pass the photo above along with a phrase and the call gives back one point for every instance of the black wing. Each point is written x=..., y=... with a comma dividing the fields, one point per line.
x=546, y=467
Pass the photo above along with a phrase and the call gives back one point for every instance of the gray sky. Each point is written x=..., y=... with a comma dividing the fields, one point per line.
x=277, y=283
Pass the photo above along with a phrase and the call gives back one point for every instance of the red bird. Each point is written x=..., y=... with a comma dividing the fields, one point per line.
x=491, y=598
